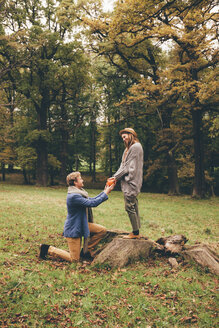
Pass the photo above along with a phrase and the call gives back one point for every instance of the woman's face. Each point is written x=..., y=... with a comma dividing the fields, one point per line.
x=125, y=138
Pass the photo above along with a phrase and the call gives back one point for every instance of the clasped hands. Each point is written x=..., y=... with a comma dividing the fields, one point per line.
x=110, y=184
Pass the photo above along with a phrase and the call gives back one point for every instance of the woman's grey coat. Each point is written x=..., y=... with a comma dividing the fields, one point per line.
x=130, y=171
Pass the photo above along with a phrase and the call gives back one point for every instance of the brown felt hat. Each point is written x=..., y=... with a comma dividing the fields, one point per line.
x=128, y=130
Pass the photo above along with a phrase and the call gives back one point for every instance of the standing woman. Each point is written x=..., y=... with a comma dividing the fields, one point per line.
x=130, y=173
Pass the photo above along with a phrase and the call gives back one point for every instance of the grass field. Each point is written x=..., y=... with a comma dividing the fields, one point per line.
x=52, y=293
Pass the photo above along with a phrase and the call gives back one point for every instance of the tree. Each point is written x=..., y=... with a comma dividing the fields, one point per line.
x=113, y=86
x=70, y=101
x=211, y=126
x=137, y=61
x=196, y=54
x=7, y=154
x=40, y=79
x=130, y=38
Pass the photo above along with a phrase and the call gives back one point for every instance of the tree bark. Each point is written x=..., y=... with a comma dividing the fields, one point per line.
x=42, y=163
x=42, y=109
x=120, y=252
x=63, y=156
x=199, y=178
x=64, y=139
x=110, y=151
x=93, y=148
x=172, y=175
x=165, y=117
x=3, y=172
x=25, y=177
x=204, y=256
x=41, y=147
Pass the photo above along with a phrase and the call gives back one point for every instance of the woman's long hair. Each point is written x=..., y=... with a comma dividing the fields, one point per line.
x=131, y=140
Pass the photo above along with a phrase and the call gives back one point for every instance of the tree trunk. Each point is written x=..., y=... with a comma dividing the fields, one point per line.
x=51, y=179
x=42, y=109
x=172, y=175
x=93, y=149
x=166, y=116
x=91, y=153
x=63, y=157
x=41, y=147
x=77, y=162
x=25, y=176
x=11, y=100
x=42, y=163
x=3, y=172
x=199, y=179
x=64, y=141
x=110, y=150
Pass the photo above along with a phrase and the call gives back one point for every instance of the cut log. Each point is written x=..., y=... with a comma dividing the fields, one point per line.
x=204, y=256
x=119, y=252
x=173, y=244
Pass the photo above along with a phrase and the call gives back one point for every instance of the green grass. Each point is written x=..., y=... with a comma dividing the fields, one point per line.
x=51, y=293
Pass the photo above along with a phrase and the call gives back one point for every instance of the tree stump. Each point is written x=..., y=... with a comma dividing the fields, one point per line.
x=204, y=256
x=111, y=234
x=119, y=252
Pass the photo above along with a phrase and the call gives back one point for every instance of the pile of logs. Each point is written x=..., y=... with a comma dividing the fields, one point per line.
x=119, y=252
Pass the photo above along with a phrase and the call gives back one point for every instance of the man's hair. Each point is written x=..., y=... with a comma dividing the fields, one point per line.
x=72, y=177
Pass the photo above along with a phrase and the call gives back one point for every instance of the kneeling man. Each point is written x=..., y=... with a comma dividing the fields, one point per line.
x=79, y=221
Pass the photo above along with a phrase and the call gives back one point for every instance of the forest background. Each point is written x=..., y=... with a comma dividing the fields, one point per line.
x=73, y=75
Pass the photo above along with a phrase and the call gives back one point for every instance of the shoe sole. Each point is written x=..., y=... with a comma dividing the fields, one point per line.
x=126, y=237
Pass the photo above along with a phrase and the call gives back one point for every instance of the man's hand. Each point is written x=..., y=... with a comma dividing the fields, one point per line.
x=111, y=181
x=108, y=189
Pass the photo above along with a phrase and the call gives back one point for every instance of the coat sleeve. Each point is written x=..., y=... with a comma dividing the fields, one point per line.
x=127, y=166
x=79, y=200
x=123, y=170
